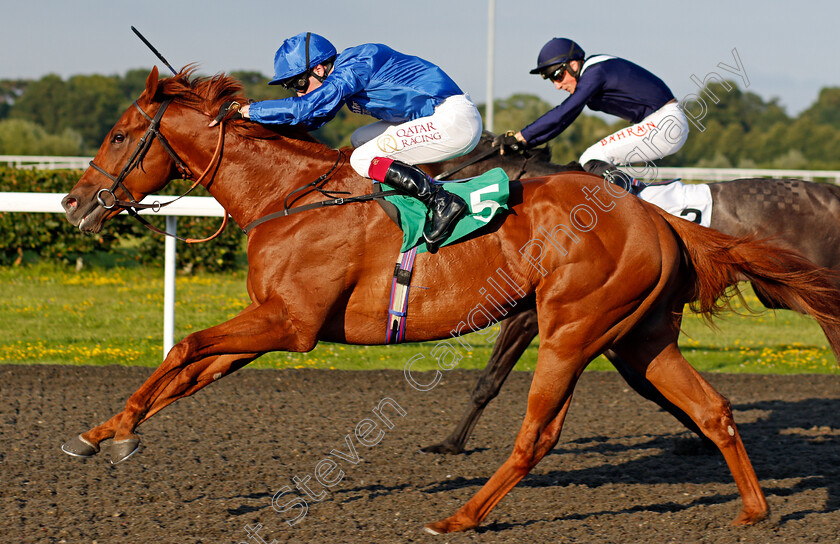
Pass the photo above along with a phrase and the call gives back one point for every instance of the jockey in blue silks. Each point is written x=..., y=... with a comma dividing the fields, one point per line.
x=424, y=116
x=612, y=85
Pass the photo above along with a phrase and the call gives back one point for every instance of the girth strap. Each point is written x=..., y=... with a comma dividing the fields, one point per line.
x=398, y=307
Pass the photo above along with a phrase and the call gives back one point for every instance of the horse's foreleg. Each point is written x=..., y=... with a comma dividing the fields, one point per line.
x=671, y=374
x=195, y=377
x=255, y=331
x=515, y=336
x=548, y=402
x=196, y=361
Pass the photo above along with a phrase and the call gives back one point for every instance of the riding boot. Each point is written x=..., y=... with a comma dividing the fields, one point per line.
x=445, y=206
x=612, y=174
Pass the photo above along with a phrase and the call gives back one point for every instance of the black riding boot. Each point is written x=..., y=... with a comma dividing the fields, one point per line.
x=445, y=206
x=610, y=173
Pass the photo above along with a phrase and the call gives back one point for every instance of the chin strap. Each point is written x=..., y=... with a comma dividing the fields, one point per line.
x=575, y=73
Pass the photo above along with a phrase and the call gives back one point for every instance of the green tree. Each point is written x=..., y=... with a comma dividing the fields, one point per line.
x=92, y=106
x=826, y=110
x=43, y=103
x=336, y=133
x=516, y=112
x=727, y=104
x=817, y=143
x=21, y=137
x=10, y=91
x=766, y=146
x=89, y=105
x=132, y=85
x=257, y=88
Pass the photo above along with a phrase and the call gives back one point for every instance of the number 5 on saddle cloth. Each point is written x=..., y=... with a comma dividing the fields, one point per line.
x=485, y=195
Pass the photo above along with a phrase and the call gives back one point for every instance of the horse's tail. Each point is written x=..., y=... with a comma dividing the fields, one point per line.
x=719, y=261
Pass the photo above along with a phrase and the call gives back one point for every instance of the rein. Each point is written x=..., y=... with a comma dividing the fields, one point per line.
x=478, y=158
x=317, y=185
x=340, y=201
x=136, y=159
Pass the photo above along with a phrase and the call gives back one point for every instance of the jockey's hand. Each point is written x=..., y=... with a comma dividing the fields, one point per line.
x=509, y=142
x=239, y=112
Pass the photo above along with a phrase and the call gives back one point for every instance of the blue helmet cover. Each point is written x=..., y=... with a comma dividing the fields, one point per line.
x=556, y=51
x=290, y=59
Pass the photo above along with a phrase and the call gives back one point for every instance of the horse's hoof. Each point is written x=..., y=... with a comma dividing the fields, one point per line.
x=751, y=518
x=123, y=449
x=448, y=525
x=443, y=448
x=79, y=447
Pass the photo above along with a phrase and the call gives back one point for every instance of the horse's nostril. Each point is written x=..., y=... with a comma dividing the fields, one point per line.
x=69, y=202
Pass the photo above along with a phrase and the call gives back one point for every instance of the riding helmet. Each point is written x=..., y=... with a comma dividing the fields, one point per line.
x=556, y=51
x=290, y=59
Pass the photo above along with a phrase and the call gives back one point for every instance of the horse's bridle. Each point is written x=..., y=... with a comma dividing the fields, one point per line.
x=131, y=205
x=135, y=160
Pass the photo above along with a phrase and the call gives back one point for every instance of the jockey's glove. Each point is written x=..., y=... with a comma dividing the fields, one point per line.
x=508, y=142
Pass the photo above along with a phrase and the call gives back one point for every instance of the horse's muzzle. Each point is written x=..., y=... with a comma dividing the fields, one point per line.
x=86, y=215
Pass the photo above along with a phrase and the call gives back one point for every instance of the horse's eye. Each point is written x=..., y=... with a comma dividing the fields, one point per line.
x=118, y=138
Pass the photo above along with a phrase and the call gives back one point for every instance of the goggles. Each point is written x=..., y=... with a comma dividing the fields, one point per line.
x=298, y=84
x=556, y=72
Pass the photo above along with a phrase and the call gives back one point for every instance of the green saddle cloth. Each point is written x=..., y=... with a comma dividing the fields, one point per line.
x=485, y=195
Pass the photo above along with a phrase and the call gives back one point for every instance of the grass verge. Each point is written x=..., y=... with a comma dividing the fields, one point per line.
x=114, y=315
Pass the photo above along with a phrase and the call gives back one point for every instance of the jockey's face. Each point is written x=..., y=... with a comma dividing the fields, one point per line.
x=314, y=82
x=568, y=83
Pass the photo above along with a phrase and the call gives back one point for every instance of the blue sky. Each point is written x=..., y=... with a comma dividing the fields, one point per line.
x=788, y=49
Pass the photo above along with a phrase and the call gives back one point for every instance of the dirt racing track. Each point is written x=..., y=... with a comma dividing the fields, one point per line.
x=210, y=466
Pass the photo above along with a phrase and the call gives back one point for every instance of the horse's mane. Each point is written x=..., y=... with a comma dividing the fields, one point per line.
x=207, y=94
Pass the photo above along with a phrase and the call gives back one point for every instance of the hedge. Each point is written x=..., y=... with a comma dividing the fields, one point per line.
x=50, y=236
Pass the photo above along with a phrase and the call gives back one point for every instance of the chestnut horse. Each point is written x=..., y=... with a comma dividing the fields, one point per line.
x=799, y=215
x=616, y=282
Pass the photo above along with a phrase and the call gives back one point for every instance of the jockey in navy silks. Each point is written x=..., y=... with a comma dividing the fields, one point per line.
x=611, y=85
x=424, y=117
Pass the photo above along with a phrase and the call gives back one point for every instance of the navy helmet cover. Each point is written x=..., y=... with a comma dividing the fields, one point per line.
x=556, y=51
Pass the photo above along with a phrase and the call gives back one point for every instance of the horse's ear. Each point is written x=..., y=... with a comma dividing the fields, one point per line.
x=152, y=83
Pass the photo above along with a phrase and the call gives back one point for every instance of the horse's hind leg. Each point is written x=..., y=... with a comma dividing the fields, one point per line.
x=671, y=374
x=548, y=402
x=515, y=336
x=643, y=387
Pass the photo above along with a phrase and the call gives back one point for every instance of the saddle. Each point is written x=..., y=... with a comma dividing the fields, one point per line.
x=691, y=201
x=486, y=196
